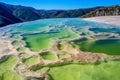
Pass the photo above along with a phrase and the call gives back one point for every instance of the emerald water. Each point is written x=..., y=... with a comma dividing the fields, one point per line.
x=48, y=56
x=38, y=35
x=6, y=69
x=103, y=71
x=38, y=45
x=107, y=46
x=42, y=41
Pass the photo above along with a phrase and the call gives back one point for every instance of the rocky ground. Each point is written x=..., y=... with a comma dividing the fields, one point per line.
x=112, y=20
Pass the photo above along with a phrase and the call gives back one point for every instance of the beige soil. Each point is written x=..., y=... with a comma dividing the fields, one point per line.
x=112, y=20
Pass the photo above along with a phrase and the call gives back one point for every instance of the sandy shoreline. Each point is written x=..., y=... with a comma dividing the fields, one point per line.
x=112, y=20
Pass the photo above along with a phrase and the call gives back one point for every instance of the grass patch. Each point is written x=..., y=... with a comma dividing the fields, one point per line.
x=48, y=56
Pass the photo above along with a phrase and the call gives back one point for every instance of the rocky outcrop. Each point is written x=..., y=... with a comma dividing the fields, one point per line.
x=106, y=11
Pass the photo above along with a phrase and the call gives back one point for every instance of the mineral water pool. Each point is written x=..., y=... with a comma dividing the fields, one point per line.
x=38, y=35
x=107, y=46
x=103, y=71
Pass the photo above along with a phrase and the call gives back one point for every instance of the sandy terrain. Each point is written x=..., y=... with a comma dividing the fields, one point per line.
x=112, y=20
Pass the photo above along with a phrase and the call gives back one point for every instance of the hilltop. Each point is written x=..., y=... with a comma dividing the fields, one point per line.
x=105, y=11
x=10, y=14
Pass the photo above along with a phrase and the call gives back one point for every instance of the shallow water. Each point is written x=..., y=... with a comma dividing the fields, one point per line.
x=107, y=46
x=38, y=34
x=103, y=71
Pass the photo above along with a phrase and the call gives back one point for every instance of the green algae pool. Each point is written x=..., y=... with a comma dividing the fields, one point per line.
x=40, y=41
x=107, y=46
x=103, y=71
x=16, y=43
x=6, y=69
x=31, y=60
x=62, y=56
x=48, y=56
x=38, y=36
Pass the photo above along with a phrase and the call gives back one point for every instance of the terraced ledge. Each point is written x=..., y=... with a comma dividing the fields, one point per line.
x=60, y=49
x=84, y=72
x=48, y=56
x=7, y=65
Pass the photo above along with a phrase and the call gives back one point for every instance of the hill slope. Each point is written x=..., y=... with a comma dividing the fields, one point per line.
x=10, y=14
x=105, y=11
x=5, y=15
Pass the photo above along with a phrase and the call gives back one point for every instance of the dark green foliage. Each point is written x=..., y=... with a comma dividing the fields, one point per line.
x=25, y=13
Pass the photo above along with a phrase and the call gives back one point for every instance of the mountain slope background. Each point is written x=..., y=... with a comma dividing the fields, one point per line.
x=10, y=14
x=105, y=11
x=6, y=16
